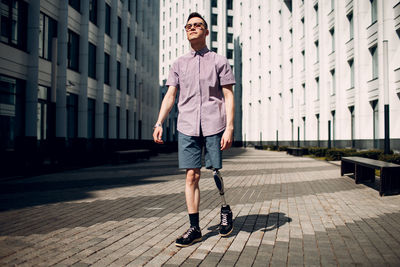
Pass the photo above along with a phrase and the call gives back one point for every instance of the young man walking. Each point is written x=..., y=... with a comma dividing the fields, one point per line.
x=206, y=114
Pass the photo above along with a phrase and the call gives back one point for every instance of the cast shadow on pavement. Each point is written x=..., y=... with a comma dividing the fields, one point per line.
x=252, y=223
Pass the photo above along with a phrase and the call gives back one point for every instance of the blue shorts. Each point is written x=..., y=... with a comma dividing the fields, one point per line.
x=190, y=151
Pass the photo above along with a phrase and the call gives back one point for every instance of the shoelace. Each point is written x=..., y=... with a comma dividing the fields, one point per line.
x=188, y=232
x=224, y=218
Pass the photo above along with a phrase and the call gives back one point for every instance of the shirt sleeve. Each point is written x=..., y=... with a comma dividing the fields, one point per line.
x=173, y=78
x=225, y=72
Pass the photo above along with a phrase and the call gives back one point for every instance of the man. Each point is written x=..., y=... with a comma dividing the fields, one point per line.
x=206, y=115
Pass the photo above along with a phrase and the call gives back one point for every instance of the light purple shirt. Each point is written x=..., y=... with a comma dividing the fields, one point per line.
x=199, y=76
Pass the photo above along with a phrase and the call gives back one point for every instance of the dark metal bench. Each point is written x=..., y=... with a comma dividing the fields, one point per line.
x=130, y=155
x=364, y=170
x=296, y=151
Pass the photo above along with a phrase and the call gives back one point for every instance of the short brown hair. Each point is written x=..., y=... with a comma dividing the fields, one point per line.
x=197, y=15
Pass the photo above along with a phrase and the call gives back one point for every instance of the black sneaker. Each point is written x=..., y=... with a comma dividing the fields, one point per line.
x=191, y=236
x=226, y=225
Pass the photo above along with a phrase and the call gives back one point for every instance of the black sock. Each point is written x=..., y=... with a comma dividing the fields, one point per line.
x=194, y=219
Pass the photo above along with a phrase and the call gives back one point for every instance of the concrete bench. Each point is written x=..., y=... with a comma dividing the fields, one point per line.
x=364, y=170
x=296, y=151
x=130, y=155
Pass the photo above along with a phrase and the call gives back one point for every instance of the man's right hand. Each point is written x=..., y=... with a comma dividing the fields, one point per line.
x=157, y=135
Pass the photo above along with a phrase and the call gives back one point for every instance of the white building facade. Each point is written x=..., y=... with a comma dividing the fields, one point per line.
x=78, y=72
x=319, y=72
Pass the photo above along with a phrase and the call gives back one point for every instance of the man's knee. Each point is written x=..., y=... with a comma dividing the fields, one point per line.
x=192, y=176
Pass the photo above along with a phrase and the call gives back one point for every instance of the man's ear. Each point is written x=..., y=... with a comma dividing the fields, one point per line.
x=207, y=32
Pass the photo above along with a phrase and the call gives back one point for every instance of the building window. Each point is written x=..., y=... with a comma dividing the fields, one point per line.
x=333, y=112
x=118, y=75
x=127, y=124
x=129, y=40
x=332, y=4
x=229, y=4
x=351, y=25
x=318, y=88
x=291, y=97
x=229, y=38
x=374, y=61
x=214, y=36
x=332, y=33
x=47, y=31
x=229, y=54
x=316, y=51
x=303, y=58
x=106, y=68
x=291, y=67
x=72, y=115
x=119, y=30
x=214, y=3
x=73, y=50
x=108, y=20
x=118, y=121
x=14, y=16
x=375, y=122
x=93, y=11
x=12, y=110
x=303, y=31
x=214, y=19
x=229, y=21
x=42, y=112
x=304, y=128
x=333, y=82
x=374, y=11
x=214, y=49
x=304, y=93
x=352, y=126
x=127, y=82
x=76, y=4
x=351, y=67
x=91, y=121
x=106, y=120
x=92, y=61
x=316, y=14
x=292, y=129
x=318, y=126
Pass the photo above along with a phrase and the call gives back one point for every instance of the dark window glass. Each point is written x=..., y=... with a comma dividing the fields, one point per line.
x=72, y=115
x=12, y=111
x=229, y=21
x=108, y=20
x=127, y=124
x=229, y=37
x=214, y=19
x=76, y=4
x=229, y=4
x=47, y=31
x=106, y=68
x=213, y=3
x=91, y=118
x=136, y=47
x=118, y=75
x=127, y=82
x=214, y=36
x=129, y=40
x=93, y=11
x=129, y=6
x=106, y=120
x=119, y=30
x=229, y=54
x=73, y=50
x=42, y=125
x=118, y=121
x=92, y=61
x=214, y=49
x=13, y=27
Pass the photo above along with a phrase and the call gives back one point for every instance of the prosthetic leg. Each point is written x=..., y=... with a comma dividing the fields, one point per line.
x=220, y=185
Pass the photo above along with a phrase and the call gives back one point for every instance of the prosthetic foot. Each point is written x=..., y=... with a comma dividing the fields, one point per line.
x=226, y=225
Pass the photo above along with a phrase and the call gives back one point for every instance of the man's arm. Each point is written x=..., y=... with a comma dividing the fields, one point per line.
x=166, y=106
x=227, y=137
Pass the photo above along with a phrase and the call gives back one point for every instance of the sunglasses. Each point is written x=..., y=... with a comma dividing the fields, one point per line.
x=197, y=25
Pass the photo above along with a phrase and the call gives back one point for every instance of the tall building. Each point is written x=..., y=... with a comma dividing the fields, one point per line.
x=319, y=72
x=77, y=74
x=174, y=43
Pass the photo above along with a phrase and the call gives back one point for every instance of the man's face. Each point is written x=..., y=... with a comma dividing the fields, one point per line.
x=196, y=30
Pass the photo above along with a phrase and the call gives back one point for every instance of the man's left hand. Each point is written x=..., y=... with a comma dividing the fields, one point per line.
x=227, y=139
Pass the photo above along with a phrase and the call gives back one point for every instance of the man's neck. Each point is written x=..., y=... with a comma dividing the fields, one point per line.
x=198, y=47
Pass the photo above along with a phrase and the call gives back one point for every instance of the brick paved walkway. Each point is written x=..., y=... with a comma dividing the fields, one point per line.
x=288, y=211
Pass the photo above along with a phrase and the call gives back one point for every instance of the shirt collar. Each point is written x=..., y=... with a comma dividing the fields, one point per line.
x=200, y=52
